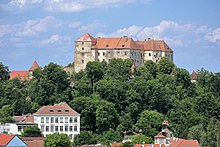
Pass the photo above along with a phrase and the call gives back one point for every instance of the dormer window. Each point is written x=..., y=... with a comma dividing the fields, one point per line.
x=106, y=45
x=66, y=110
x=51, y=111
x=123, y=45
x=59, y=110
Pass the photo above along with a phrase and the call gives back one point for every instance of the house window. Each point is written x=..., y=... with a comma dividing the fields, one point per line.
x=51, y=128
x=52, y=120
x=71, y=120
x=56, y=128
x=75, y=128
x=66, y=110
x=61, y=119
x=66, y=128
x=98, y=53
x=149, y=54
x=42, y=120
x=51, y=110
x=75, y=119
x=61, y=128
x=71, y=128
x=47, y=128
x=103, y=53
x=19, y=128
x=42, y=128
x=59, y=110
x=125, y=53
x=47, y=120
x=66, y=119
x=56, y=120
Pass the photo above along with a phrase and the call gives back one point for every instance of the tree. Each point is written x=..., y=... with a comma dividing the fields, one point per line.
x=85, y=137
x=4, y=72
x=106, y=116
x=32, y=131
x=150, y=122
x=151, y=67
x=111, y=136
x=57, y=140
x=139, y=139
x=197, y=132
x=165, y=65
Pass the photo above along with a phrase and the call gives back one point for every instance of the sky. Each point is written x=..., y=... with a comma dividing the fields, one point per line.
x=45, y=30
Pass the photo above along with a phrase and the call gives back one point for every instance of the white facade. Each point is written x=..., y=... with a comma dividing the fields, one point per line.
x=67, y=124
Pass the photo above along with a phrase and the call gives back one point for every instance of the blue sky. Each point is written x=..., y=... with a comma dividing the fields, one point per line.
x=45, y=30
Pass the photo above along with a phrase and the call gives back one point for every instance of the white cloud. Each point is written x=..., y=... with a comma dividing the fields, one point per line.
x=53, y=39
x=214, y=36
x=91, y=26
x=34, y=27
x=5, y=30
x=71, y=5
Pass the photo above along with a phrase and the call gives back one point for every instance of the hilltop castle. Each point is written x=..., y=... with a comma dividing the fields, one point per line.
x=88, y=48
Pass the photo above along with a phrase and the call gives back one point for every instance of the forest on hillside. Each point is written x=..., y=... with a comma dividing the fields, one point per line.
x=112, y=101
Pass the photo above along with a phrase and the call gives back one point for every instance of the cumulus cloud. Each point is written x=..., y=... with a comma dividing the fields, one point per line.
x=33, y=27
x=70, y=5
x=213, y=36
x=53, y=39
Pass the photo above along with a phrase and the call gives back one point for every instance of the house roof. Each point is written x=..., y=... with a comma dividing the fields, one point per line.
x=178, y=142
x=159, y=136
x=5, y=139
x=86, y=37
x=117, y=144
x=61, y=108
x=194, y=76
x=34, y=66
x=149, y=145
x=20, y=118
x=28, y=119
x=20, y=74
x=34, y=141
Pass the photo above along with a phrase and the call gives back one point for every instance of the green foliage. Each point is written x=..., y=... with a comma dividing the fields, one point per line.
x=4, y=72
x=139, y=139
x=32, y=131
x=165, y=65
x=85, y=137
x=151, y=67
x=150, y=122
x=57, y=140
x=197, y=132
x=110, y=136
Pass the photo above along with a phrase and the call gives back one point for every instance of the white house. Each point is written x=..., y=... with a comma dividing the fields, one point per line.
x=59, y=118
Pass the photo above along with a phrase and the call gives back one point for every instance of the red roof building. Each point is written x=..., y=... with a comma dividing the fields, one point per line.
x=34, y=66
x=10, y=140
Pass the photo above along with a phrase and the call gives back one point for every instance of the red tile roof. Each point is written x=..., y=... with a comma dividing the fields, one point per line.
x=20, y=74
x=20, y=118
x=5, y=139
x=159, y=136
x=34, y=66
x=150, y=145
x=86, y=37
x=194, y=76
x=28, y=119
x=34, y=141
x=117, y=144
x=61, y=108
x=178, y=142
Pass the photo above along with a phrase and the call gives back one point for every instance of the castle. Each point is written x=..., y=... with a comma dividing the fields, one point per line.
x=88, y=48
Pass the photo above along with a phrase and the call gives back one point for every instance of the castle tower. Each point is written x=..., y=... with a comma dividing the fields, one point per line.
x=83, y=51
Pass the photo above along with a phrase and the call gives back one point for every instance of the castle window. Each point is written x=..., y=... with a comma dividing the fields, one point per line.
x=103, y=53
x=149, y=54
x=56, y=128
x=82, y=54
x=83, y=48
x=47, y=128
x=125, y=53
x=59, y=110
x=82, y=61
x=82, y=42
x=103, y=60
x=98, y=53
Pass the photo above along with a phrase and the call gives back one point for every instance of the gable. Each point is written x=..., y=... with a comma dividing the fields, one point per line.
x=16, y=142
